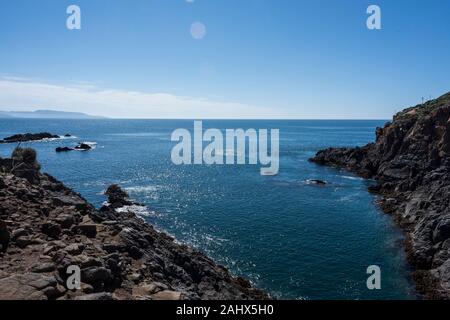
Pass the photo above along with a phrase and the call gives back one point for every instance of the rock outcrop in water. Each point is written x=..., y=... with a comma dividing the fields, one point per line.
x=79, y=147
x=410, y=160
x=29, y=137
x=46, y=227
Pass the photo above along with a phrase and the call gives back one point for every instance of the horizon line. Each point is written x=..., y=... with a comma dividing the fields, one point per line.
x=201, y=119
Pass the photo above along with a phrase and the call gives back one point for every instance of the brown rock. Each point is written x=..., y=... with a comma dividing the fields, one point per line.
x=29, y=286
x=166, y=295
x=96, y=296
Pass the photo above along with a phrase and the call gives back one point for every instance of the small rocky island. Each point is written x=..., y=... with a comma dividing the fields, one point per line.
x=30, y=137
x=410, y=161
x=46, y=227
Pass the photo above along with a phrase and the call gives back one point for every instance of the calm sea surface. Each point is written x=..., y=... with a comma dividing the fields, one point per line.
x=295, y=240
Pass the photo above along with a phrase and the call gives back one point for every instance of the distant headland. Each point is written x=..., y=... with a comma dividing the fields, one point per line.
x=46, y=114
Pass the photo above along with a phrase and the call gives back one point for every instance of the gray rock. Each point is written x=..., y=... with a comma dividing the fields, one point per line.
x=19, y=233
x=43, y=267
x=75, y=249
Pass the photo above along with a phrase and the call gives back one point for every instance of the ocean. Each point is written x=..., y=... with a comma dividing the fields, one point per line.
x=291, y=238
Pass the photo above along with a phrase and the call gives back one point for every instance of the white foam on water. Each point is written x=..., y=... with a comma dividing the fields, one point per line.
x=351, y=178
x=140, y=211
x=142, y=189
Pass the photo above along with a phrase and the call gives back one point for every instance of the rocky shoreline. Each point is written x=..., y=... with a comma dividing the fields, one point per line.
x=410, y=161
x=46, y=227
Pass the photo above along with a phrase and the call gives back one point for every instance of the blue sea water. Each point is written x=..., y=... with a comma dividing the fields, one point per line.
x=295, y=240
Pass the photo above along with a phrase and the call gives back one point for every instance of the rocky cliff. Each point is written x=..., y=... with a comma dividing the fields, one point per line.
x=410, y=160
x=46, y=227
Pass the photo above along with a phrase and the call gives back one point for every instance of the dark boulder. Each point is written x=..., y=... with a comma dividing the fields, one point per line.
x=89, y=230
x=51, y=229
x=65, y=220
x=20, y=232
x=116, y=196
x=316, y=181
x=63, y=149
x=94, y=275
x=28, y=172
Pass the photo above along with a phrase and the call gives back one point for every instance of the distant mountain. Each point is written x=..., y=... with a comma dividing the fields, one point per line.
x=46, y=114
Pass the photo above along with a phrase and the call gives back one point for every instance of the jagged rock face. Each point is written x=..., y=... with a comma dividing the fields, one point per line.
x=46, y=227
x=117, y=197
x=411, y=162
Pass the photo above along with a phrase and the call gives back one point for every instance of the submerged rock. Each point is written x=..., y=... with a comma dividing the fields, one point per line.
x=80, y=147
x=316, y=181
x=63, y=149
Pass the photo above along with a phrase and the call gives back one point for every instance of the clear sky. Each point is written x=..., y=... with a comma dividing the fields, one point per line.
x=258, y=58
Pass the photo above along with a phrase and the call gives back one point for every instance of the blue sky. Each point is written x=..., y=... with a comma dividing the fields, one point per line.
x=259, y=58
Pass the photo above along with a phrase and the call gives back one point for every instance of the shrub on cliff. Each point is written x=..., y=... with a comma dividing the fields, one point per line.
x=25, y=165
x=25, y=155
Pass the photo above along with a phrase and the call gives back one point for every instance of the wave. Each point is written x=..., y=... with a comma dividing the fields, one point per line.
x=351, y=178
x=142, y=189
x=140, y=211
